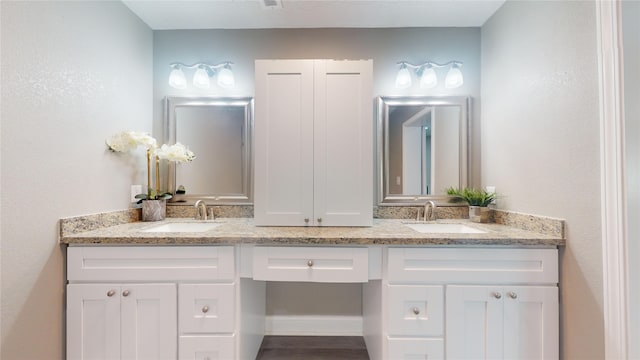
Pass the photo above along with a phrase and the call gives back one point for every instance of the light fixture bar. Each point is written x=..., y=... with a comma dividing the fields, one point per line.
x=202, y=74
x=428, y=78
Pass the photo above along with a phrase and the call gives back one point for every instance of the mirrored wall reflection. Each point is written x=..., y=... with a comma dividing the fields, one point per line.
x=422, y=146
x=218, y=131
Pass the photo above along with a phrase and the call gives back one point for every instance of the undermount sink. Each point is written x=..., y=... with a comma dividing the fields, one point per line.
x=183, y=227
x=435, y=228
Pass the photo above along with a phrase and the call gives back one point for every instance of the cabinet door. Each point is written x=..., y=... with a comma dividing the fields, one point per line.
x=284, y=142
x=93, y=321
x=474, y=325
x=343, y=143
x=531, y=323
x=148, y=321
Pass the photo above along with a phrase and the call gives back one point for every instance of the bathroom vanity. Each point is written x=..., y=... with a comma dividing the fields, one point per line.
x=138, y=293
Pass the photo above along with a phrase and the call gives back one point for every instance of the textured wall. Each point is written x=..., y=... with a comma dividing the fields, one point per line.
x=73, y=73
x=385, y=46
x=540, y=142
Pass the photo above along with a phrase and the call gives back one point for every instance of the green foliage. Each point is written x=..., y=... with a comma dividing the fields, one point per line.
x=152, y=196
x=473, y=197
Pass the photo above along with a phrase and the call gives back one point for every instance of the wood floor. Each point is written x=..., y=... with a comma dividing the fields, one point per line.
x=313, y=348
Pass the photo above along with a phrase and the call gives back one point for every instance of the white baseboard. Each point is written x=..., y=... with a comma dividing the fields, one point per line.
x=314, y=325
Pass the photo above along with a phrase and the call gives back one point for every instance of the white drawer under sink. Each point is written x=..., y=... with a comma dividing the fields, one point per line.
x=311, y=264
x=206, y=308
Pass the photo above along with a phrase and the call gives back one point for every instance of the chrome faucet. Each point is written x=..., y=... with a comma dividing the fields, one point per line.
x=429, y=211
x=201, y=210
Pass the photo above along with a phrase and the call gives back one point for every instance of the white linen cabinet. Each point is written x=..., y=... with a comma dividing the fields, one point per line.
x=313, y=143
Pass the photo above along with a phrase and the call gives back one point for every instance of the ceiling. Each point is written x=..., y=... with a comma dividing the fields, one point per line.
x=254, y=14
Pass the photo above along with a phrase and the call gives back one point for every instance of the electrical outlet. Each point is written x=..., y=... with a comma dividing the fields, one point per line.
x=135, y=190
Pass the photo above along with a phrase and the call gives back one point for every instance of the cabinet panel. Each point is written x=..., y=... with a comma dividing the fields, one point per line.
x=150, y=263
x=531, y=318
x=343, y=139
x=93, y=321
x=206, y=308
x=474, y=327
x=415, y=310
x=284, y=137
x=207, y=348
x=482, y=266
x=415, y=349
x=313, y=264
x=149, y=326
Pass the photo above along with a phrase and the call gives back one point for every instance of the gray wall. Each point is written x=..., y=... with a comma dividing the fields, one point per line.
x=540, y=143
x=631, y=58
x=72, y=74
x=385, y=46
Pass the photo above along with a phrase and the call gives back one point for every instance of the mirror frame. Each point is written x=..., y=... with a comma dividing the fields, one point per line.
x=382, y=105
x=246, y=103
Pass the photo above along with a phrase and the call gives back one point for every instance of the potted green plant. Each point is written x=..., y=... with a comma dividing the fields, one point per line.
x=477, y=199
x=153, y=201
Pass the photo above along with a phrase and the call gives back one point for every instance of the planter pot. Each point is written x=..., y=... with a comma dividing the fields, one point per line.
x=154, y=210
x=479, y=214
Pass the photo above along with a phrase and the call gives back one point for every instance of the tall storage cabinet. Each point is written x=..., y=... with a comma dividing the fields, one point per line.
x=313, y=143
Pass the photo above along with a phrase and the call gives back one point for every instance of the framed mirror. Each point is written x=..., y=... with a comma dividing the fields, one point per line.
x=423, y=147
x=219, y=131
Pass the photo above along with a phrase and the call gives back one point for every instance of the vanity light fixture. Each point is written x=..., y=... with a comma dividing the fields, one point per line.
x=427, y=73
x=202, y=75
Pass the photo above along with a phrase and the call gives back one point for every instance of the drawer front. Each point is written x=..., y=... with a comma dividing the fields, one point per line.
x=141, y=263
x=206, y=308
x=312, y=264
x=408, y=348
x=415, y=310
x=486, y=266
x=206, y=347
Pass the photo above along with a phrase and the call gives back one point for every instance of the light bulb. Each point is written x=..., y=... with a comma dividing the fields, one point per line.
x=428, y=79
x=201, y=78
x=225, y=77
x=177, y=79
x=403, y=79
x=454, y=77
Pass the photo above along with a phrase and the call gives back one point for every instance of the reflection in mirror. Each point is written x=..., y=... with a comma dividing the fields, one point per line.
x=422, y=147
x=218, y=131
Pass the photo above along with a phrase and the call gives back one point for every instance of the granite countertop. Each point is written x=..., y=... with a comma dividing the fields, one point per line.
x=242, y=231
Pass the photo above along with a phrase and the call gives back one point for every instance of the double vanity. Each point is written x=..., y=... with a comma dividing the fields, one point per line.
x=191, y=289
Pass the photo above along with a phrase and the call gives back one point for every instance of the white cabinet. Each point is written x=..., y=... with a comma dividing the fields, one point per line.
x=511, y=322
x=313, y=143
x=465, y=303
x=121, y=321
x=156, y=302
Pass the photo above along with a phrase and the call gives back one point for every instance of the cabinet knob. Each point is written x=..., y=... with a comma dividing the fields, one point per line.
x=125, y=293
x=310, y=263
x=306, y=220
x=110, y=293
x=319, y=220
x=497, y=295
x=513, y=295
x=416, y=310
x=205, y=309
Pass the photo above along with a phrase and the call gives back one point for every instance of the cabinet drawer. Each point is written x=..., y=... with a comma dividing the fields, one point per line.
x=312, y=264
x=138, y=263
x=206, y=308
x=415, y=310
x=412, y=348
x=486, y=266
x=206, y=347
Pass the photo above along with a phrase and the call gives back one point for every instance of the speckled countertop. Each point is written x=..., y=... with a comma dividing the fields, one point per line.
x=242, y=231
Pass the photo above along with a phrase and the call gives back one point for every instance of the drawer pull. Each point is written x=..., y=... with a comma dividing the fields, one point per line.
x=110, y=293
x=125, y=293
x=416, y=311
x=513, y=295
x=310, y=263
x=205, y=309
x=319, y=220
x=306, y=220
x=497, y=295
